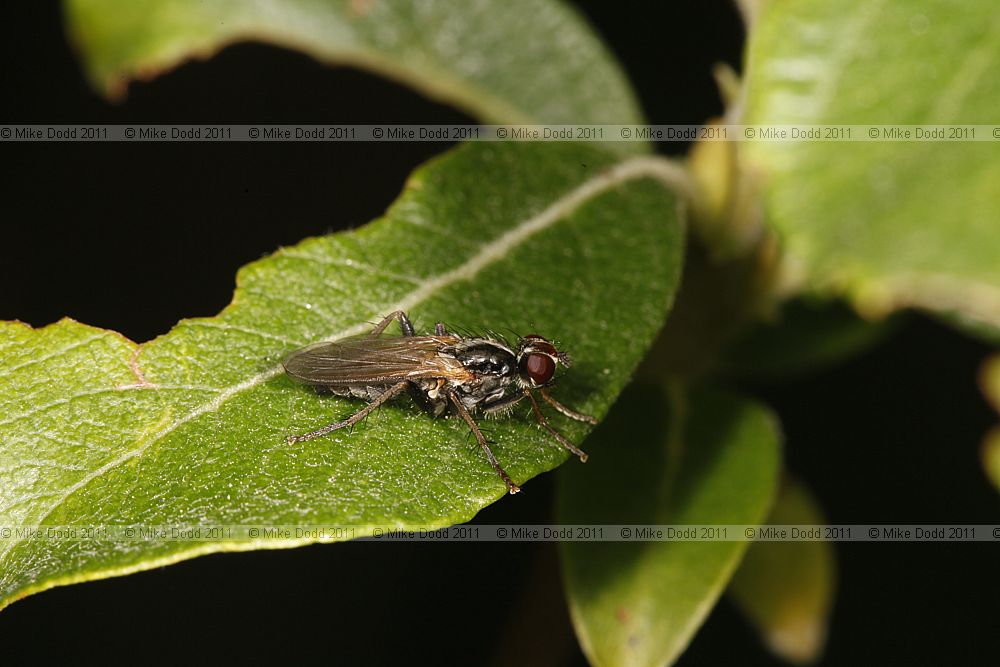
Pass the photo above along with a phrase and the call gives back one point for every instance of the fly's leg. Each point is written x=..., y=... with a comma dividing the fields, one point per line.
x=439, y=329
x=555, y=434
x=503, y=405
x=404, y=324
x=389, y=393
x=572, y=414
x=511, y=486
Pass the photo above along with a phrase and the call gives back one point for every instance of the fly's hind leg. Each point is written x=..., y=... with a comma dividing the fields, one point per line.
x=481, y=439
x=404, y=324
x=389, y=393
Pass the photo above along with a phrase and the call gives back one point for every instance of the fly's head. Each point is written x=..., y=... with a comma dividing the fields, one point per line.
x=537, y=359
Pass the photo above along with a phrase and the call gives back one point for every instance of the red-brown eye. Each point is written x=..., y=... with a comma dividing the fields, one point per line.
x=540, y=368
x=540, y=344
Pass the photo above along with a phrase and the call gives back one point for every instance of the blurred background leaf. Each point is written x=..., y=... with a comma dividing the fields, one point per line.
x=888, y=224
x=804, y=335
x=667, y=457
x=520, y=61
x=786, y=589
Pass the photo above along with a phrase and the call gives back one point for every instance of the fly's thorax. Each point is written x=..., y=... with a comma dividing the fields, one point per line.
x=483, y=392
x=485, y=358
x=493, y=367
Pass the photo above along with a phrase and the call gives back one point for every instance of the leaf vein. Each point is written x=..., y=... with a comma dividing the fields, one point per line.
x=38, y=360
x=355, y=265
x=208, y=324
x=98, y=392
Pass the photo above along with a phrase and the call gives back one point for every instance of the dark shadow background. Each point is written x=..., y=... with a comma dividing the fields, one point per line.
x=134, y=237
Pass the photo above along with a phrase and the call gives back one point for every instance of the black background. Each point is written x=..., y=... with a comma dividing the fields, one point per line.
x=134, y=237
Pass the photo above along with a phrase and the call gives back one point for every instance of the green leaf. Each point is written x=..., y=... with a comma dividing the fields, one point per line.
x=190, y=428
x=889, y=224
x=520, y=61
x=786, y=588
x=665, y=458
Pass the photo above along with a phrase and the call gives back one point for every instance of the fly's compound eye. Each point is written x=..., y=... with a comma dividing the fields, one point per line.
x=540, y=368
x=534, y=342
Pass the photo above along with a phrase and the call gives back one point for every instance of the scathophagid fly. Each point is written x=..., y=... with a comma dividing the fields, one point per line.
x=445, y=370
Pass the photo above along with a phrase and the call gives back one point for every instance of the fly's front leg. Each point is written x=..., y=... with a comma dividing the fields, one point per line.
x=572, y=414
x=502, y=406
x=481, y=439
x=404, y=324
x=389, y=393
x=554, y=433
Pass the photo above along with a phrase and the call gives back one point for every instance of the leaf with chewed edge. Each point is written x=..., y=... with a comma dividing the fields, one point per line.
x=190, y=428
x=667, y=457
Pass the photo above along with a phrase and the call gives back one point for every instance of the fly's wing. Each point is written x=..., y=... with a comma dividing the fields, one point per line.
x=375, y=360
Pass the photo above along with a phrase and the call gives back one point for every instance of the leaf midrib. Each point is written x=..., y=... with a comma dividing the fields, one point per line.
x=667, y=172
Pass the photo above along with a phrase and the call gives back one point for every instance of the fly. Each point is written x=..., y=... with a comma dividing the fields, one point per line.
x=446, y=370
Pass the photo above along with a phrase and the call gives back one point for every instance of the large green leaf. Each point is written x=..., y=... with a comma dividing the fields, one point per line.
x=786, y=588
x=890, y=224
x=666, y=458
x=520, y=61
x=190, y=428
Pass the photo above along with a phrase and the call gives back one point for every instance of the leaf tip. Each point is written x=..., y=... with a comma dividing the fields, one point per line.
x=799, y=639
x=990, y=455
x=989, y=381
